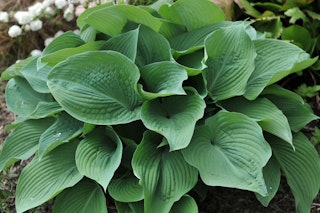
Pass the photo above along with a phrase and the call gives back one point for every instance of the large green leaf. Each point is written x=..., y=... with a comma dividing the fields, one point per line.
x=272, y=175
x=150, y=51
x=118, y=16
x=22, y=143
x=301, y=168
x=61, y=55
x=62, y=131
x=15, y=69
x=43, y=179
x=165, y=176
x=174, y=117
x=230, y=151
x=162, y=79
x=99, y=155
x=37, y=78
x=126, y=189
x=125, y=43
x=86, y=196
x=24, y=101
x=193, y=62
x=268, y=116
x=192, y=14
x=97, y=87
x=274, y=57
x=136, y=207
x=230, y=55
x=292, y=105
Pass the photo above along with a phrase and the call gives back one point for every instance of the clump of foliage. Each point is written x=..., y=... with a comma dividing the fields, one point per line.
x=149, y=103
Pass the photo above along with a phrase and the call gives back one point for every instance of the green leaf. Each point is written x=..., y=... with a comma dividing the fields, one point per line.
x=162, y=79
x=97, y=87
x=118, y=16
x=301, y=168
x=174, y=117
x=230, y=151
x=150, y=51
x=275, y=58
x=192, y=62
x=292, y=105
x=125, y=43
x=42, y=180
x=192, y=14
x=86, y=196
x=295, y=14
x=272, y=175
x=22, y=143
x=267, y=115
x=126, y=189
x=88, y=34
x=15, y=69
x=230, y=55
x=24, y=101
x=271, y=26
x=54, y=58
x=185, y=205
x=165, y=176
x=99, y=155
x=62, y=131
x=136, y=207
x=299, y=35
x=37, y=78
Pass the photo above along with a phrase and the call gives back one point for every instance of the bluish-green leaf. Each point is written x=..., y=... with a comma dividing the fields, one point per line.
x=192, y=14
x=165, y=176
x=37, y=78
x=97, y=87
x=162, y=79
x=272, y=175
x=274, y=58
x=150, y=51
x=42, y=180
x=24, y=101
x=99, y=155
x=15, y=69
x=62, y=131
x=126, y=189
x=292, y=105
x=174, y=117
x=125, y=43
x=136, y=207
x=230, y=151
x=86, y=196
x=268, y=116
x=301, y=168
x=230, y=56
x=22, y=143
x=185, y=205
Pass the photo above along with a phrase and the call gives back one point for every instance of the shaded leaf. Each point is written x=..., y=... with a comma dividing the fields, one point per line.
x=99, y=155
x=97, y=87
x=15, y=69
x=229, y=66
x=230, y=151
x=42, y=180
x=22, y=143
x=86, y=196
x=301, y=168
x=185, y=205
x=174, y=117
x=165, y=176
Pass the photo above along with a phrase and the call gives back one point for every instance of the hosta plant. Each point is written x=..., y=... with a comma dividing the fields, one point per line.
x=149, y=103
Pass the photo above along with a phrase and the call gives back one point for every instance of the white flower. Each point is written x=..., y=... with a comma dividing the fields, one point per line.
x=60, y=32
x=92, y=4
x=36, y=25
x=79, y=9
x=23, y=17
x=60, y=3
x=26, y=27
x=14, y=31
x=50, y=11
x=68, y=13
x=36, y=9
x=48, y=41
x=35, y=52
x=4, y=17
x=77, y=31
x=47, y=3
